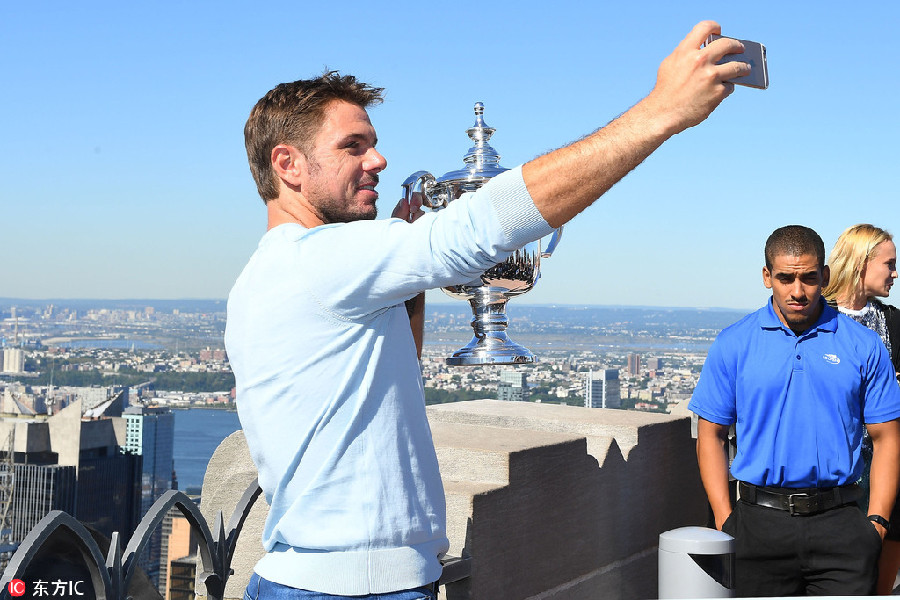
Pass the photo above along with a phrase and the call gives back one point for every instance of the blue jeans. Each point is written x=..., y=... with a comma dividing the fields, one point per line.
x=263, y=589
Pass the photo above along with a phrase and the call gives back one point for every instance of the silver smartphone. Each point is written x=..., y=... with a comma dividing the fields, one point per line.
x=754, y=54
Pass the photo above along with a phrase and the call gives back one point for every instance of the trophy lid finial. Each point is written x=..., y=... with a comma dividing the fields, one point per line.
x=480, y=133
x=481, y=161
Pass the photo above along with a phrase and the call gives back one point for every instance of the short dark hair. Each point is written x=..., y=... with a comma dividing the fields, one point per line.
x=292, y=113
x=794, y=240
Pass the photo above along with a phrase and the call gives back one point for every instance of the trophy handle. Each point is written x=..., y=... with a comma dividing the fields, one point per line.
x=554, y=240
x=422, y=182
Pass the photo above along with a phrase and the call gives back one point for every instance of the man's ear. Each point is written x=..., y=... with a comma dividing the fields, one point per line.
x=767, y=278
x=289, y=164
x=826, y=276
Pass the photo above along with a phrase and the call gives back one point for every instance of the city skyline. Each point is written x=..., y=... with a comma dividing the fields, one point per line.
x=124, y=174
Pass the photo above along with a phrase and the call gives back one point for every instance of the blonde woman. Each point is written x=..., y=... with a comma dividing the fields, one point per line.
x=863, y=267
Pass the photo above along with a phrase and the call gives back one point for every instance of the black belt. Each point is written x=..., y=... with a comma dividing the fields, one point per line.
x=806, y=501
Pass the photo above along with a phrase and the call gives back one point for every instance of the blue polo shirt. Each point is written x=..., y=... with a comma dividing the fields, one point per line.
x=799, y=402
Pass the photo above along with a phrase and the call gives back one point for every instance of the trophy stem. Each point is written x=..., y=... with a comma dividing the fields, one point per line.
x=491, y=345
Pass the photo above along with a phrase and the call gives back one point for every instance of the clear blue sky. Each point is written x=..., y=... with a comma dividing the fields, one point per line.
x=123, y=173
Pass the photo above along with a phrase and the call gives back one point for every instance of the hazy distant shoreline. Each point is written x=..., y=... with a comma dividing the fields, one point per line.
x=215, y=305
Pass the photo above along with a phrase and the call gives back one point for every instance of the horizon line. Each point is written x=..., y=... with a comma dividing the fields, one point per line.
x=11, y=300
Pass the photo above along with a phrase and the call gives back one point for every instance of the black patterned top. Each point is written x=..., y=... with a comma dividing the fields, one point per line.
x=872, y=318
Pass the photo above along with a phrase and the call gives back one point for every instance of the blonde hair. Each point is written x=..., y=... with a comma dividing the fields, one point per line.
x=848, y=257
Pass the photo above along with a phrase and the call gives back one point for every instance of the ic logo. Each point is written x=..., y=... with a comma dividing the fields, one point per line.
x=16, y=588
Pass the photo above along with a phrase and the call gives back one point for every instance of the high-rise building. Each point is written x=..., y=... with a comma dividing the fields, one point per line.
x=108, y=491
x=179, y=544
x=109, y=482
x=35, y=491
x=74, y=464
x=513, y=386
x=634, y=364
x=150, y=433
x=31, y=483
x=92, y=397
x=601, y=389
x=13, y=360
x=18, y=399
x=654, y=364
x=182, y=574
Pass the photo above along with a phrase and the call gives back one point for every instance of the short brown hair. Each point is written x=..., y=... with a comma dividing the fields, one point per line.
x=292, y=113
x=794, y=240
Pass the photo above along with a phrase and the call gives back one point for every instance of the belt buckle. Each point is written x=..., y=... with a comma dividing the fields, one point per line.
x=791, y=508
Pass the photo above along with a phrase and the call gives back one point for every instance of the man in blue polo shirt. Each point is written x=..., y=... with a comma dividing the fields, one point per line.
x=801, y=383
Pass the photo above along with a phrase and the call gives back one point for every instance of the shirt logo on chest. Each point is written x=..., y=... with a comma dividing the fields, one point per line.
x=832, y=359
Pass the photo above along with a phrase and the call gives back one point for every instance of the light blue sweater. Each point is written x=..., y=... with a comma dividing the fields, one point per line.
x=329, y=391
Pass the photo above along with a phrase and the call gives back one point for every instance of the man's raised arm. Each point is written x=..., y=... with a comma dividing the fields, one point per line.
x=689, y=86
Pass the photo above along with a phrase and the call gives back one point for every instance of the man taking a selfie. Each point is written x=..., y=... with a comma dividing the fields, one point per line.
x=329, y=391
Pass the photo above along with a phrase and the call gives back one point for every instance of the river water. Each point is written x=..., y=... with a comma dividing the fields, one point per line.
x=198, y=432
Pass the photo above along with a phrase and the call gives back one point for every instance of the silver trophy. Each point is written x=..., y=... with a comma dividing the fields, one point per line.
x=516, y=275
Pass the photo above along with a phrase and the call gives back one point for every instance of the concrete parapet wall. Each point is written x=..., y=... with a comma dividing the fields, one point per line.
x=588, y=492
x=228, y=474
x=549, y=501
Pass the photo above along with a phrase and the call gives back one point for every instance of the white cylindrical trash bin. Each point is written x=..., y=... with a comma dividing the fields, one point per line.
x=696, y=562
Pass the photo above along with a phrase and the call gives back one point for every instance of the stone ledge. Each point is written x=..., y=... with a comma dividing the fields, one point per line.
x=228, y=474
x=552, y=502
x=481, y=453
x=622, y=425
x=589, y=491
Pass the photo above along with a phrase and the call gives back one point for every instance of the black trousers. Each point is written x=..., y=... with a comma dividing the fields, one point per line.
x=834, y=553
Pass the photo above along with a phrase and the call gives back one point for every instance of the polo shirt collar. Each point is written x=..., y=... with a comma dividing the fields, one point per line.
x=827, y=320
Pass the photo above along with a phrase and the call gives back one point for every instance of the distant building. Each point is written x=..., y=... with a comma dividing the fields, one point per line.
x=108, y=481
x=31, y=483
x=35, y=490
x=182, y=574
x=601, y=389
x=13, y=360
x=114, y=406
x=92, y=397
x=150, y=433
x=208, y=355
x=18, y=399
x=654, y=364
x=634, y=364
x=108, y=491
x=513, y=386
x=74, y=464
x=178, y=543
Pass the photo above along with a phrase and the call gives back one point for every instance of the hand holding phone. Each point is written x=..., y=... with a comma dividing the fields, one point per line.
x=754, y=54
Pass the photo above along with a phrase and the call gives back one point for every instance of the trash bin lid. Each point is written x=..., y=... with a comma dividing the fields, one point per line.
x=696, y=540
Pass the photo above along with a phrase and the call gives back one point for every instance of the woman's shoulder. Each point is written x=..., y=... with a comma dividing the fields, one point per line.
x=883, y=306
x=891, y=313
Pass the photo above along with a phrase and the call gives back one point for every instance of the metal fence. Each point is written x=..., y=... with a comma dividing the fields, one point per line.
x=111, y=575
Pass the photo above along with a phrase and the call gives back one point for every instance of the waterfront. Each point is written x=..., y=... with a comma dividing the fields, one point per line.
x=106, y=344
x=198, y=432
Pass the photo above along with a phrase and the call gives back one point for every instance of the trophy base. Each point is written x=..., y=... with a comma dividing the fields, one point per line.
x=491, y=351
